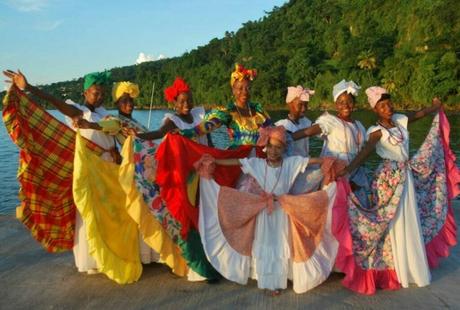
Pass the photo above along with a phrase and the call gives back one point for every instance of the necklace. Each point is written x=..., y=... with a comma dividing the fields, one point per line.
x=253, y=120
x=393, y=138
x=247, y=107
x=277, y=177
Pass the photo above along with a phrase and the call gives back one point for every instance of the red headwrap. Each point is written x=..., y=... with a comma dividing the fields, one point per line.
x=267, y=133
x=179, y=86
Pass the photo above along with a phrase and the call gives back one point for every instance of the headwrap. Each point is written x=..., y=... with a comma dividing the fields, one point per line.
x=96, y=78
x=345, y=86
x=120, y=88
x=267, y=133
x=242, y=73
x=179, y=86
x=374, y=94
x=299, y=91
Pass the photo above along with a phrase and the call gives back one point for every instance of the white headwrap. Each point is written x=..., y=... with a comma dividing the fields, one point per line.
x=299, y=91
x=345, y=86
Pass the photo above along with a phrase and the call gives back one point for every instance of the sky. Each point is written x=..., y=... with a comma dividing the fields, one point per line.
x=57, y=40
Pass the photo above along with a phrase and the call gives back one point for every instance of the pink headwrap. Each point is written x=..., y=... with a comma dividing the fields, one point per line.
x=374, y=94
x=267, y=133
x=299, y=91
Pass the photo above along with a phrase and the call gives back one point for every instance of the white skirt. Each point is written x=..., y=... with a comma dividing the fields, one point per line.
x=408, y=247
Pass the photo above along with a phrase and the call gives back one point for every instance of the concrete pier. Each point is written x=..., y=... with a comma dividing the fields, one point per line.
x=30, y=278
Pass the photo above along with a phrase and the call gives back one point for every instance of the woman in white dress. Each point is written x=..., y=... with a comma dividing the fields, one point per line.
x=343, y=136
x=92, y=111
x=388, y=242
x=297, y=101
x=186, y=116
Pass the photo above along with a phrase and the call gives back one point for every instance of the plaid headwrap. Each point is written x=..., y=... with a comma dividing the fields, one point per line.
x=45, y=170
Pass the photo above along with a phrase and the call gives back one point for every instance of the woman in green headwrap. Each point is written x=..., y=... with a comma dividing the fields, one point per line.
x=92, y=111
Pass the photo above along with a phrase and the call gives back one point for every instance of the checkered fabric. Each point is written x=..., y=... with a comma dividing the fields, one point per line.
x=45, y=170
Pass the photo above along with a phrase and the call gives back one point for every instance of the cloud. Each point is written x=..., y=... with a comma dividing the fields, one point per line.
x=143, y=58
x=48, y=25
x=27, y=5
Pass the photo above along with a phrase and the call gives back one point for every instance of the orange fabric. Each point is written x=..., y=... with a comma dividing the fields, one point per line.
x=330, y=167
x=237, y=213
x=307, y=218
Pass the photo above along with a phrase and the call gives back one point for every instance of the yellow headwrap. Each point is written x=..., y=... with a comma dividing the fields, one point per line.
x=120, y=88
x=242, y=73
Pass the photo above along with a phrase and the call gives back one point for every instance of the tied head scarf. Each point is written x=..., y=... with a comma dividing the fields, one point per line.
x=121, y=88
x=349, y=87
x=179, y=86
x=267, y=133
x=374, y=94
x=303, y=93
x=96, y=78
x=242, y=73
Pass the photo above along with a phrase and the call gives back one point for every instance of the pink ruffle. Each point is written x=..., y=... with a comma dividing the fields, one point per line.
x=440, y=245
x=357, y=279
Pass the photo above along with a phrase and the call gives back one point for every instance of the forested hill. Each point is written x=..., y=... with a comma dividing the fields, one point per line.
x=411, y=47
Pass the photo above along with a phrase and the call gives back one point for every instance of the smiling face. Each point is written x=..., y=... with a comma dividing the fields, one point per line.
x=297, y=108
x=183, y=103
x=125, y=104
x=275, y=150
x=94, y=95
x=384, y=109
x=344, y=105
x=241, y=92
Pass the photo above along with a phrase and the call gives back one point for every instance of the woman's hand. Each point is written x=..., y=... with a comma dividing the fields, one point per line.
x=16, y=78
x=129, y=131
x=342, y=172
x=82, y=123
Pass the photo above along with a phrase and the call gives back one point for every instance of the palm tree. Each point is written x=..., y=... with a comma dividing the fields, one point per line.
x=367, y=61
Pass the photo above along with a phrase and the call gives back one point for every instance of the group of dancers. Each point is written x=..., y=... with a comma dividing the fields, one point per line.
x=262, y=209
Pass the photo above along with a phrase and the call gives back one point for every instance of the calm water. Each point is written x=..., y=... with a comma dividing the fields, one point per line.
x=9, y=152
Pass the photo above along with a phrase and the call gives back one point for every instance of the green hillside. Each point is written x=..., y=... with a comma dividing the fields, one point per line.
x=411, y=47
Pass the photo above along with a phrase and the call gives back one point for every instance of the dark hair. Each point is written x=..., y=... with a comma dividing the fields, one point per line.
x=384, y=97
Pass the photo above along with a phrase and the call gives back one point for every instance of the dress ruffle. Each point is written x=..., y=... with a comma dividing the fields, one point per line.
x=356, y=278
x=236, y=267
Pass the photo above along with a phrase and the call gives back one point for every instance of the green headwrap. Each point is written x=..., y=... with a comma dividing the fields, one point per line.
x=96, y=78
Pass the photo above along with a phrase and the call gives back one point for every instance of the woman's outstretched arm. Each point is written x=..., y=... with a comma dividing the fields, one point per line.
x=307, y=132
x=368, y=148
x=436, y=104
x=18, y=79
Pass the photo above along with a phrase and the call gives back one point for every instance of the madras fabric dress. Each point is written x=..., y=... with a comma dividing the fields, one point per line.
x=45, y=170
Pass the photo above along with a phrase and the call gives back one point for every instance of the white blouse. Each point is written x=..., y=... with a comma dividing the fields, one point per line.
x=394, y=143
x=97, y=136
x=197, y=115
x=301, y=146
x=341, y=139
x=276, y=180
